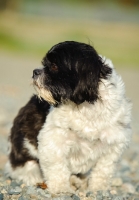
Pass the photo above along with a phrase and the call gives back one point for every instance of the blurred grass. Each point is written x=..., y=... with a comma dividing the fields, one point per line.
x=21, y=34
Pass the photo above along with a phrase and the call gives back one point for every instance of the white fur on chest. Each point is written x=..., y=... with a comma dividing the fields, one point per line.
x=83, y=155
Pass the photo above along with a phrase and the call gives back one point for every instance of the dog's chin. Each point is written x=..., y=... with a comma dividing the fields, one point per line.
x=44, y=93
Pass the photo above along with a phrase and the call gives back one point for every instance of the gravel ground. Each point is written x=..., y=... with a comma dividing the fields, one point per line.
x=14, y=93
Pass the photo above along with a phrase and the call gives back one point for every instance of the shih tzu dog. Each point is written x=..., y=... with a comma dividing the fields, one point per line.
x=79, y=125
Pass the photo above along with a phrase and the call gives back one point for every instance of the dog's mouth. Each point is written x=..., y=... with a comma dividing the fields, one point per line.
x=43, y=92
x=36, y=84
x=37, y=87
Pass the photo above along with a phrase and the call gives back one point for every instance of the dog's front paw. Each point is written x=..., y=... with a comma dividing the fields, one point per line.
x=79, y=184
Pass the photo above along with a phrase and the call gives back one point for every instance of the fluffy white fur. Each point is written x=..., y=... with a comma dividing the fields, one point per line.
x=86, y=138
x=30, y=173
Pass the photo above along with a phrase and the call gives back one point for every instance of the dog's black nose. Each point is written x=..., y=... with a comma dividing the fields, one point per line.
x=36, y=72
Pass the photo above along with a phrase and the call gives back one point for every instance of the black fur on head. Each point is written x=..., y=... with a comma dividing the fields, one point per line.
x=72, y=71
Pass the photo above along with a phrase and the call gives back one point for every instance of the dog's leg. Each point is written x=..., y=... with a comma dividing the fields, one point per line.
x=100, y=177
x=30, y=173
x=57, y=178
x=53, y=150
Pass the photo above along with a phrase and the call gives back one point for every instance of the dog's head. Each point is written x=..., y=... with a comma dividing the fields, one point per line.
x=72, y=71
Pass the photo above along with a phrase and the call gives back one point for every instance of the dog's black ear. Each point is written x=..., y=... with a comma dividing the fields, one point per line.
x=90, y=73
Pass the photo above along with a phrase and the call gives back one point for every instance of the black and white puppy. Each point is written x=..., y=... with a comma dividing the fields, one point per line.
x=84, y=131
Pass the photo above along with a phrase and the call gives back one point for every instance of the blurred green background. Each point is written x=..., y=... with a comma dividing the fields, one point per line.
x=31, y=27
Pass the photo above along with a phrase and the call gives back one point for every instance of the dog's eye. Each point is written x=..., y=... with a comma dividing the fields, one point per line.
x=54, y=68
